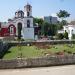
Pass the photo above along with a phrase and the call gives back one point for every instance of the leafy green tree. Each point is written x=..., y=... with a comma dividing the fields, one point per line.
x=40, y=23
x=60, y=24
x=52, y=30
x=63, y=14
x=63, y=22
x=38, y=20
x=46, y=28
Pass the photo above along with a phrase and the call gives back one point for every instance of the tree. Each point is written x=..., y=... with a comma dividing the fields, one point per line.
x=63, y=22
x=40, y=23
x=46, y=28
x=38, y=20
x=63, y=14
x=52, y=30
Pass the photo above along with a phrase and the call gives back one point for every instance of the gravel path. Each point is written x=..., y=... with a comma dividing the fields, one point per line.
x=58, y=70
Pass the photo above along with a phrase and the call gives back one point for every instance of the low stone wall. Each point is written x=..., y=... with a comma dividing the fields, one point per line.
x=51, y=42
x=37, y=62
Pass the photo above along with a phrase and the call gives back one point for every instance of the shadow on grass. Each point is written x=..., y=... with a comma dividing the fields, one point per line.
x=8, y=52
x=5, y=52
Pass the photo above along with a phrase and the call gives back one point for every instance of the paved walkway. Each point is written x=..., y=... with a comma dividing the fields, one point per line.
x=58, y=70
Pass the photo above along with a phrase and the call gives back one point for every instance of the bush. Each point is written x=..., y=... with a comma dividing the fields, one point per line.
x=73, y=36
x=22, y=39
x=60, y=36
x=66, y=35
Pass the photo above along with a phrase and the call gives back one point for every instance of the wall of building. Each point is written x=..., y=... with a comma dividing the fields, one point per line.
x=31, y=21
x=70, y=29
x=50, y=19
x=4, y=32
x=28, y=33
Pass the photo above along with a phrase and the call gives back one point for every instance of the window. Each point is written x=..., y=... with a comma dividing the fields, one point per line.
x=11, y=29
x=28, y=14
x=28, y=23
x=19, y=14
x=0, y=26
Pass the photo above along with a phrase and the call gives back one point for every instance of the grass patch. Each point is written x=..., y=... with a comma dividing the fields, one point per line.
x=26, y=51
x=33, y=51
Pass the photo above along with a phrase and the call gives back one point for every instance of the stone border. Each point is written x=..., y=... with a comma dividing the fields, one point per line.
x=14, y=43
x=37, y=62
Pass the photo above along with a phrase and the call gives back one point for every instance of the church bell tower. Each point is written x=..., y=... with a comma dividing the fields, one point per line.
x=28, y=10
x=28, y=30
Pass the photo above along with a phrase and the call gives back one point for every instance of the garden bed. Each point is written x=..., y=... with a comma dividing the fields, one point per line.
x=39, y=51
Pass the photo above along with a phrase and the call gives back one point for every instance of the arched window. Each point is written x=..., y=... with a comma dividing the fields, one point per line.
x=11, y=30
x=28, y=14
x=28, y=23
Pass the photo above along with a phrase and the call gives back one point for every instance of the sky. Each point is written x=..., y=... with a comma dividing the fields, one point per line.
x=40, y=8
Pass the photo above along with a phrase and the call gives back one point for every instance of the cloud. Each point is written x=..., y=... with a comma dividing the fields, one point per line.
x=54, y=14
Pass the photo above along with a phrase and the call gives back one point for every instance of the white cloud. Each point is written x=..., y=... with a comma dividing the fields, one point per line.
x=54, y=14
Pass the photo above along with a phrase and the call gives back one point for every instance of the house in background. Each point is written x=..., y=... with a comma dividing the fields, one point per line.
x=70, y=29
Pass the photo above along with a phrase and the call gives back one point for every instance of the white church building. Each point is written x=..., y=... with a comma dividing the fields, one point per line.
x=22, y=20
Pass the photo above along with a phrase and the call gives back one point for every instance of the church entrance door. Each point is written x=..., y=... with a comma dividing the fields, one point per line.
x=19, y=27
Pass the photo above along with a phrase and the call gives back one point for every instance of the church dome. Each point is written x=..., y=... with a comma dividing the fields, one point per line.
x=20, y=11
x=19, y=14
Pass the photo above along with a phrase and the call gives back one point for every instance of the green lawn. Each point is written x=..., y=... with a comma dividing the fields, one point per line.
x=26, y=51
x=32, y=51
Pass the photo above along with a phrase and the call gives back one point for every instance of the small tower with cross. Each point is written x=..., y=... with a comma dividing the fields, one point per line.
x=28, y=29
x=28, y=10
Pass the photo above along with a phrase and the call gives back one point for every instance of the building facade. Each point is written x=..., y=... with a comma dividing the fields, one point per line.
x=50, y=19
x=70, y=29
x=21, y=23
